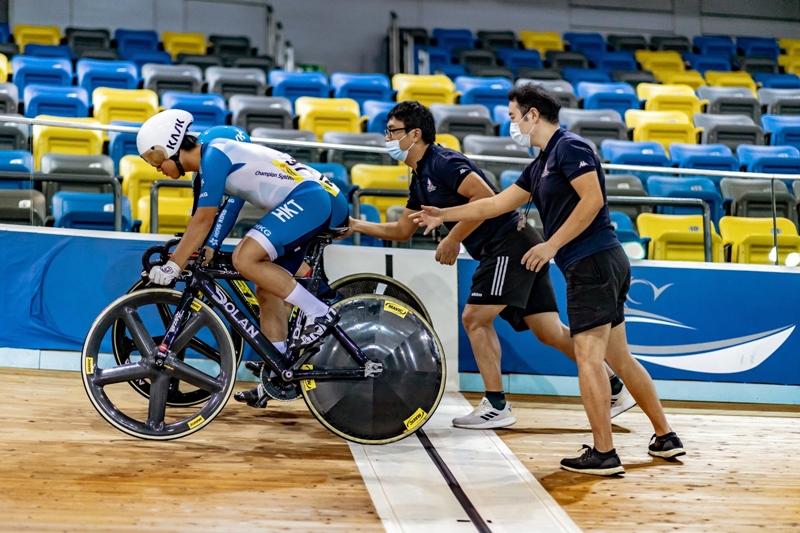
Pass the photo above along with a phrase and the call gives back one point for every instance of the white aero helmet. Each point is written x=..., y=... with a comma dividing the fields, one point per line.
x=161, y=135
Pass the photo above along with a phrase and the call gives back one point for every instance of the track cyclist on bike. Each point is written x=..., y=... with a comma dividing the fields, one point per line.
x=298, y=201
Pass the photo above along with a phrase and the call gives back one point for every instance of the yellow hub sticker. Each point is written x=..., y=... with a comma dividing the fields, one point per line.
x=397, y=309
x=196, y=421
x=90, y=365
x=308, y=384
x=196, y=305
x=415, y=419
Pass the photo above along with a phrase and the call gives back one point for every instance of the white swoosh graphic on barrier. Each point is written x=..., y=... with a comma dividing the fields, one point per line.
x=646, y=320
x=728, y=360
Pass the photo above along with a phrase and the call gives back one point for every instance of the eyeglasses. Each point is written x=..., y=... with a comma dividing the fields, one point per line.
x=390, y=132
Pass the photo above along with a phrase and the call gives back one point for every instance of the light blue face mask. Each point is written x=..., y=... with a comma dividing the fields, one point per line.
x=395, y=152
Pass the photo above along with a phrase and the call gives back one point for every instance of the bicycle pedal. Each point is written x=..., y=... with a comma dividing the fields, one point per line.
x=254, y=367
x=256, y=398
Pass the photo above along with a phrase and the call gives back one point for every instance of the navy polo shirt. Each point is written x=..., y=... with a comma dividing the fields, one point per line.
x=435, y=182
x=566, y=157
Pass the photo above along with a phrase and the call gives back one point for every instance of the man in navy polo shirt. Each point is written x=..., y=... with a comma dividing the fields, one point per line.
x=567, y=185
x=501, y=284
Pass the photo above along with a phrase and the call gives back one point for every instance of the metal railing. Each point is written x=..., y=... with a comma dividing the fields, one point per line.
x=154, y=191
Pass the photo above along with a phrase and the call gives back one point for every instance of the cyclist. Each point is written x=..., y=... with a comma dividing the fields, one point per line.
x=298, y=201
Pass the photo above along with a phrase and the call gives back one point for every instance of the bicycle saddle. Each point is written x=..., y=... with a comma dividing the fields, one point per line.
x=334, y=232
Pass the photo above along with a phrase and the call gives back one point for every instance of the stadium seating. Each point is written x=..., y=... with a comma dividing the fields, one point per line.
x=777, y=81
x=782, y=130
x=702, y=63
x=752, y=239
x=163, y=78
x=348, y=158
x=758, y=47
x=137, y=179
x=757, y=65
x=22, y=207
x=132, y=42
x=677, y=237
x=174, y=214
x=509, y=178
x=626, y=235
x=626, y=185
x=292, y=85
x=665, y=127
x=26, y=33
x=41, y=71
x=82, y=40
x=753, y=198
x=493, y=40
x=714, y=45
x=686, y=187
x=427, y=90
x=730, y=101
x=780, y=101
x=731, y=79
x=361, y=87
x=381, y=177
x=47, y=50
x=649, y=153
x=704, y=157
x=336, y=173
x=301, y=153
x=611, y=61
x=89, y=165
x=56, y=101
x=660, y=63
x=633, y=77
x=250, y=112
x=207, y=109
x=113, y=74
x=88, y=211
x=692, y=78
x=585, y=42
x=542, y=41
x=121, y=144
x=472, y=59
x=462, y=120
x=595, y=125
x=230, y=81
x=561, y=89
x=513, y=59
x=9, y=98
x=618, y=97
x=369, y=213
x=183, y=43
x=453, y=38
x=669, y=98
x=63, y=140
x=730, y=130
x=628, y=43
x=559, y=60
x=16, y=161
x=488, y=92
x=496, y=146
x=229, y=46
x=377, y=115
x=328, y=114
x=13, y=136
x=201, y=61
x=121, y=104
x=678, y=43
x=576, y=75
x=769, y=159
x=448, y=141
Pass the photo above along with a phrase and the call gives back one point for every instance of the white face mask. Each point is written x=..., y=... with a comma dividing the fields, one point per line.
x=522, y=139
x=397, y=153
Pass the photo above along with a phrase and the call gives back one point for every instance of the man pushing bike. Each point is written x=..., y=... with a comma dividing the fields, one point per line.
x=298, y=203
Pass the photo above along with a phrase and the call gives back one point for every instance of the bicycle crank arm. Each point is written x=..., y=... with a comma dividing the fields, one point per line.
x=371, y=369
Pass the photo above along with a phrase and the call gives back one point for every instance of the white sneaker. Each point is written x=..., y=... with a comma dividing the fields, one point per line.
x=621, y=402
x=486, y=417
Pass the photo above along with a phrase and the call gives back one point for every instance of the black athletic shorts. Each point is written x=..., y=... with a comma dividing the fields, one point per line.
x=502, y=279
x=597, y=287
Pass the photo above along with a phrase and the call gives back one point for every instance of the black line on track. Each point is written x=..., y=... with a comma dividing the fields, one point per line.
x=458, y=492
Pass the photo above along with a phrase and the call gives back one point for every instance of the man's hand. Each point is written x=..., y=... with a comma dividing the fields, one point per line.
x=351, y=228
x=165, y=274
x=208, y=255
x=447, y=251
x=538, y=256
x=432, y=217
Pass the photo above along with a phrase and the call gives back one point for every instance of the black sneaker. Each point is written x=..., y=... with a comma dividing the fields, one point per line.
x=595, y=463
x=315, y=331
x=666, y=446
x=256, y=397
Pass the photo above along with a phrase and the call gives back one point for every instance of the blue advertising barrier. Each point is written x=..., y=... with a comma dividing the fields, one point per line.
x=685, y=321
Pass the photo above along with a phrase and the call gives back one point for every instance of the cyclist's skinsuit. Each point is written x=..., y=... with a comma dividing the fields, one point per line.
x=299, y=201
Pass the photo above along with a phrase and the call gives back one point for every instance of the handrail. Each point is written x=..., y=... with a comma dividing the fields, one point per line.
x=116, y=188
x=154, y=190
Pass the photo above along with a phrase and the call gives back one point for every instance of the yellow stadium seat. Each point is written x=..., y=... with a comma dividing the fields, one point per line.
x=751, y=239
x=381, y=177
x=677, y=237
x=134, y=105
x=790, y=63
x=692, y=78
x=541, y=40
x=665, y=127
x=448, y=141
x=65, y=140
x=731, y=79
x=328, y=114
x=669, y=98
x=661, y=63
x=791, y=46
x=5, y=68
x=174, y=214
x=137, y=178
x=427, y=90
x=27, y=33
x=184, y=43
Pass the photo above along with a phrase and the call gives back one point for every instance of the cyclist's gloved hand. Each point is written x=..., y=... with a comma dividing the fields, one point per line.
x=166, y=274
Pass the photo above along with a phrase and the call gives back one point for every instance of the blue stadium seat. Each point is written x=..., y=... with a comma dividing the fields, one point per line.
x=769, y=159
x=642, y=153
x=514, y=58
x=47, y=50
x=509, y=178
x=702, y=63
x=208, y=109
x=716, y=45
x=576, y=75
x=5, y=32
x=361, y=87
x=130, y=42
x=777, y=81
x=452, y=71
x=369, y=213
x=121, y=144
x=376, y=113
x=448, y=38
x=585, y=42
x=142, y=58
x=704, y=157
x=95, y=211
x=686, y=187
x=29, y=70
x=293, y=85
x=438, y=57
x=783, y=129
x=489, y=92
x=617, y=96
x=610, y=61
x=16, y=161
x=500, y=116
x=758, y=47
x=337, y=174
x=94, y=73
x=56, y=101
x=623, y=227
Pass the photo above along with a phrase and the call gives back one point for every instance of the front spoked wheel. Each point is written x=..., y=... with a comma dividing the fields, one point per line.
x=394, y=404
x=202, y=359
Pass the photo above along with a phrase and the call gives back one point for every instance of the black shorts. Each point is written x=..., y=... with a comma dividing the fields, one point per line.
x=597, y=287
x=502, y=279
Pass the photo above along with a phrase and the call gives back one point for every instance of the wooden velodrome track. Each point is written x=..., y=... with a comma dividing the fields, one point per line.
x=63, y=468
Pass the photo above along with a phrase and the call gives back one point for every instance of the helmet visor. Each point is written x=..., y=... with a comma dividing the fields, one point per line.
x=155, y=155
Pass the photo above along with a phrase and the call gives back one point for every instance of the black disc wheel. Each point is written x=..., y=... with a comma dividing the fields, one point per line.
x=124, y=349
x=202, y=359
x=398, y=401
x=380, y=285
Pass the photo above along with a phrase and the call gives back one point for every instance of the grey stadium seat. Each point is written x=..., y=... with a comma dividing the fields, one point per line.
x=626, y=185
x=730, y=130
x=753, y=198
x=230, y=46
x=301, y=153
x=595, y=125
x=539, y=73
x=9, y=98
x=89, y=165
x=730, y=101
x=561, y=89
x=496, y=146
x=755, y=65
x=628, y=43
x=163, y=78
x=201, y=61
x=474, y=58
x=491, y=40
x=24, y=207
x=419, y=240
x=462, y=120
x=483, y=71
x=230, y=81
x=84, y=39
x=634, y=77
x=264, y=63
x=676, y=43
x=250, y=112
x=559, y=59
x=348, y=158
x=14, y=136
x=780, y=101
